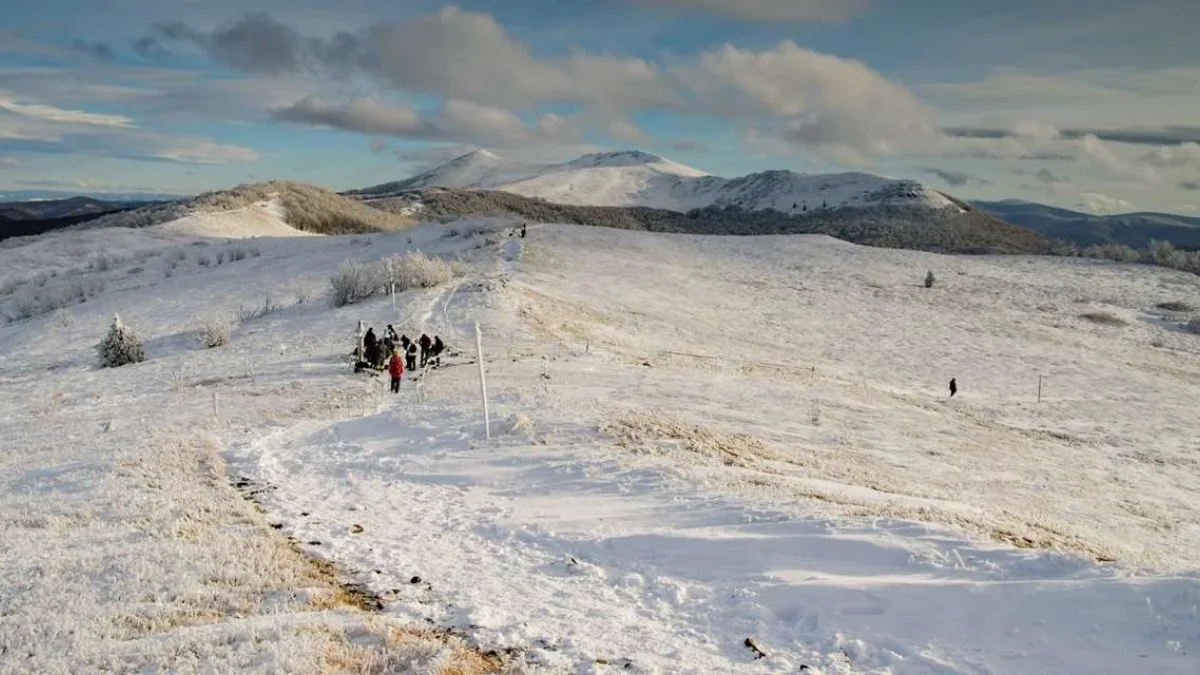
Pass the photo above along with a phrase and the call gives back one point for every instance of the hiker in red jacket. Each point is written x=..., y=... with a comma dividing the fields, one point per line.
x=396, y=370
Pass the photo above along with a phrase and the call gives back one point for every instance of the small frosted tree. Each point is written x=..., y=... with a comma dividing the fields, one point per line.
x=121, y=346
x=929, y=279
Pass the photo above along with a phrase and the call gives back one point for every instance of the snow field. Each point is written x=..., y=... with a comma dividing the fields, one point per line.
x=126, y=548
x=647, y=512
x=642, y=508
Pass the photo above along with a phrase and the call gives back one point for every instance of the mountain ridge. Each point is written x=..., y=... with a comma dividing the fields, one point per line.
x=1135, y=229
x=636, y=178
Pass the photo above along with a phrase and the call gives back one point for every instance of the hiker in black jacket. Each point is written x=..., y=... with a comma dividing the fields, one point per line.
x=435, y=352
x=426, y=344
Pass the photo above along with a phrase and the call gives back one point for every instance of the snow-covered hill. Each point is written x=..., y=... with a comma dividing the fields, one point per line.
x=735, y=437
x=634, y=178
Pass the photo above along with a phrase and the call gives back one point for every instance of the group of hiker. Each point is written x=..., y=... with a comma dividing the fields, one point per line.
x=399, y=353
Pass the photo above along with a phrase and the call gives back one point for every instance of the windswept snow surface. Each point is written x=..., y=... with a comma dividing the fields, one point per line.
x=633, y=178
x=262, y=219
x=695, y=440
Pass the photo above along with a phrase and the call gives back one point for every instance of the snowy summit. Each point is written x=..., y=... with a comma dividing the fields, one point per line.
x=634, y=178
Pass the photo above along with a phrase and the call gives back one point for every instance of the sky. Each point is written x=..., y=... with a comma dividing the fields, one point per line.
x=1086, y=104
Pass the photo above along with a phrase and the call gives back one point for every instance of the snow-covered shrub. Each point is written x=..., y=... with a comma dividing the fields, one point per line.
x=353, y=282
x=215, y=330
x=269, y=306
x=121, y=346
x=1164, y=254
x=103, y=263
x=414, y=270
x=356, y=281
x=1114, y=252
x=237, y=253
x=929, y=279
x=204, y=261
x=1193, y=325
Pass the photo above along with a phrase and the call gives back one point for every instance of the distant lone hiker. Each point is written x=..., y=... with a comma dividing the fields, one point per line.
x=523, y=230
x=396, y=370
x=953, y=387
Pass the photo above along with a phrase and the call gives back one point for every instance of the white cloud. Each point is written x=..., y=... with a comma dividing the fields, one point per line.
x=1010, y=87
x=626, y=131
x=823, y=100
x=1183, y=155
x=363, y=114
x=1097, y=152
x=50, y=113
x=34, y=127
x=770, y=10
x=456, y=120
x=1099, y=203
x=468, y=56
x=201, y=151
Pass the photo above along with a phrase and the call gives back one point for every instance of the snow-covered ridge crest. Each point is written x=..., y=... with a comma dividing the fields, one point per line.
x=635, y=178
x=275, y=208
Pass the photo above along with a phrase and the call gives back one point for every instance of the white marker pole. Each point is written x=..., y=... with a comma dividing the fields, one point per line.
x=487, y=418
x=393, y=297
x=216, y=409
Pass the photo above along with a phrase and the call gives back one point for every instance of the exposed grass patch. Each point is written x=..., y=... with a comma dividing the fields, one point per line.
x=1175, y=306
x=1103, y=318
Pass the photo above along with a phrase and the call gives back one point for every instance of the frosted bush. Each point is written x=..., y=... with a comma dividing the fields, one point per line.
x=357, y=281
x=1193, y=326
x=121, y=346
x=414, y=270
x=215, y=330
x=353, y=282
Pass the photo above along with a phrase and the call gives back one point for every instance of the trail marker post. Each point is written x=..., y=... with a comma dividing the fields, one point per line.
x=216, y=408
x=1039, y=388
x=487, y=418
x=393, y=297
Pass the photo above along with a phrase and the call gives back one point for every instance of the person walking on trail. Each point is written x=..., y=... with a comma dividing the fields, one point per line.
x=435, y=355
x=396, y=370
x=390, y=334
x=410, y=355
x=953, y=387
x=426, y=344
x=523, y=230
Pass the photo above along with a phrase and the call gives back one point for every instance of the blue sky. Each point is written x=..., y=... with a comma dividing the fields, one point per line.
x=1090, y=104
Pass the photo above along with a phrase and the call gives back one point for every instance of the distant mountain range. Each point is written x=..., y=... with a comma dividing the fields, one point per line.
x=642, y=190
x=27, y=218
x=1084, y=229
x=634, y=178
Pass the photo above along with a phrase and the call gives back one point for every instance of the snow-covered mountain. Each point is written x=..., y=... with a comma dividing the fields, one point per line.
x=633, y=178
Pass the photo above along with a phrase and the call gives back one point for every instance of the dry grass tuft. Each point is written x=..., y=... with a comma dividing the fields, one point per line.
x=1103, y=318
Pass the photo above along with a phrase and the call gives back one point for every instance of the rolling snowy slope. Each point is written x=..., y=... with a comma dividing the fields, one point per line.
x=634, y=178
x=695, y=440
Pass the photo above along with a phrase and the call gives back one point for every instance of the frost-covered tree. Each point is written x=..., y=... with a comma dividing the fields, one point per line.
x=121, y=346
x=929, y=279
